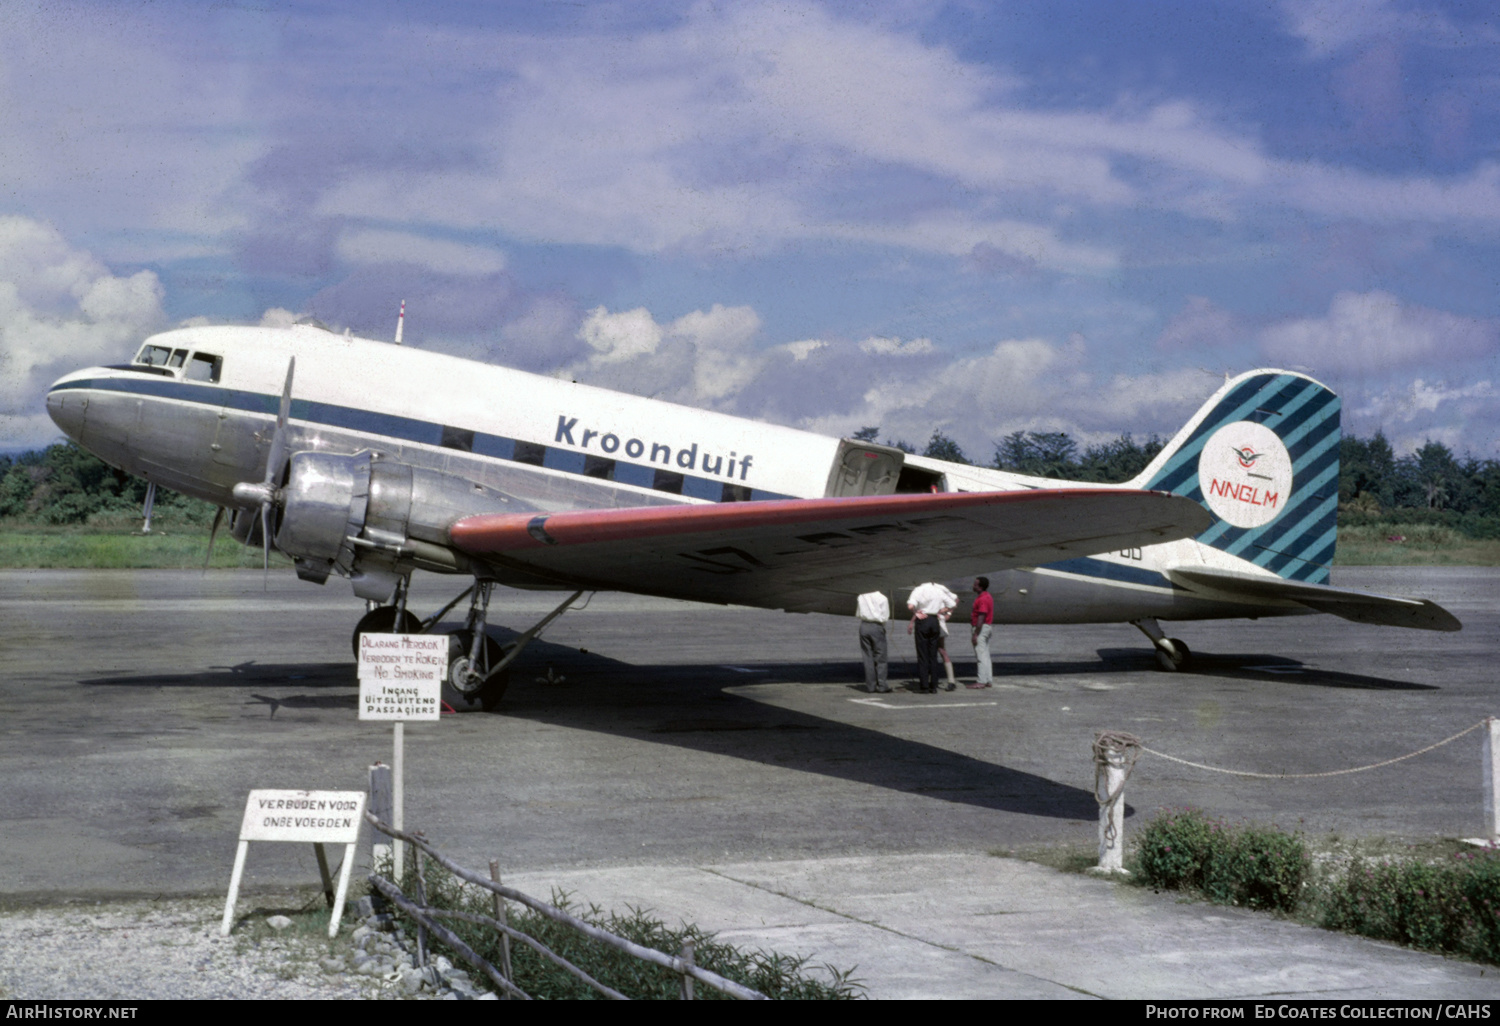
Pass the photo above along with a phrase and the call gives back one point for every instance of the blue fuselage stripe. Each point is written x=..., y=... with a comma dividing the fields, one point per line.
x=410, y=429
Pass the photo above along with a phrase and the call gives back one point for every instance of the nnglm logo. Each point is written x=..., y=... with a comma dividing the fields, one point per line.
x=1245, y=474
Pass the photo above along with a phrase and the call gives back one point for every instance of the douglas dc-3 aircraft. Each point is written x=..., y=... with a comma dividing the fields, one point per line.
x=369, y=460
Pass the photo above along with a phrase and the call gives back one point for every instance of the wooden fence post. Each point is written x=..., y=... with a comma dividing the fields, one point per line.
x=501, y=917
x=687, y=981
x=380, y=808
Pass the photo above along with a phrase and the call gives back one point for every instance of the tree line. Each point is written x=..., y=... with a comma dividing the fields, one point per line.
x=63, y=484
x=1431, y=485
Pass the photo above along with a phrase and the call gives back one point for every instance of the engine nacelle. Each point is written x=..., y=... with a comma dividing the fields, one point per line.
x=362, y=515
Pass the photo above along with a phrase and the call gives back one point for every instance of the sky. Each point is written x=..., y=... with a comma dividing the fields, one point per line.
x=972, y=217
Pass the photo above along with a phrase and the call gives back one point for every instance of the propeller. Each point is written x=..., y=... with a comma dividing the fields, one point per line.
x=263, y=493
x=213, y=532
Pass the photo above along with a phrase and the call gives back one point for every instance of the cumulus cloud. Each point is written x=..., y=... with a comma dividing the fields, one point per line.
x=1374, y=332
x=701, y=358
x=60, y=309
x=371, y=246
x=907, y=387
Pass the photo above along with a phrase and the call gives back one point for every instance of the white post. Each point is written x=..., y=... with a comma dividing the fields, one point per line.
x=1112, y=814
x=337, y=915
x=1492, y=782
x=234, y=887
x=398, y=797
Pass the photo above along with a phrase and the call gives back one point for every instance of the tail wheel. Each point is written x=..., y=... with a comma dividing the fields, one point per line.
x=1172, y=663
x=382, y=620
x=459, y=689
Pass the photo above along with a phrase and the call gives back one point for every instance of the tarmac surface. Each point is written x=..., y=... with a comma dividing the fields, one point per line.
x=139, y=707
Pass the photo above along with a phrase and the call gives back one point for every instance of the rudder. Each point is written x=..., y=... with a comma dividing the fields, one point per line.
x=1262, y=455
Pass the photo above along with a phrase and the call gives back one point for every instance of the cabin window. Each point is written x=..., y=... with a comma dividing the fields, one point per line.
x=735, y=493
x=204, y=367
x=458, y=438
x=530, y=452
x=667, y=481
x=599, y=466
x=153, y=356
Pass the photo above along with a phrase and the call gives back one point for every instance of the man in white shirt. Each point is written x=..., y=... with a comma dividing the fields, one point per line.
x=874, y=610
x=929, y=603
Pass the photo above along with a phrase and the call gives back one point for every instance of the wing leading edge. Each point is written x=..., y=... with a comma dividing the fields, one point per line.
x=1359, y=606
x=811, y=555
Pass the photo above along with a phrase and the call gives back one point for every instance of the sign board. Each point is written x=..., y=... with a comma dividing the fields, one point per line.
x=328, y=817
x=322, y=817
x=401, y=676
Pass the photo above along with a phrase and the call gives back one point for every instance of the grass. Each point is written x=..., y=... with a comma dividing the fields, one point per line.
x=176, y=548
x=1423, y=545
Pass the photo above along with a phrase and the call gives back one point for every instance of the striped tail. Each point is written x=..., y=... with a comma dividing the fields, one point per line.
x=1263, y=456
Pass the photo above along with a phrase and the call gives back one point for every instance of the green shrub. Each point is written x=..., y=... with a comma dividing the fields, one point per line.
x=1257, y=867
x=1451, y=907
x=1174, y=848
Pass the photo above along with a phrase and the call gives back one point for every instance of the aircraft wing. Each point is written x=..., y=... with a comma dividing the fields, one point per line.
x=1359, y=606
x=813, y=555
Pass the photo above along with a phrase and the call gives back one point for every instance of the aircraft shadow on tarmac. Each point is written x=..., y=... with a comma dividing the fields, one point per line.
x=687, y=706
x=1248, y=667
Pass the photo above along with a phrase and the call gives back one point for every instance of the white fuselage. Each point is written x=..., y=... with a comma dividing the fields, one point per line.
x=547, y=443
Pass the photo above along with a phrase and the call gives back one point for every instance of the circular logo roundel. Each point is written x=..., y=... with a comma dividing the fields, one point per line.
x=1245, y=474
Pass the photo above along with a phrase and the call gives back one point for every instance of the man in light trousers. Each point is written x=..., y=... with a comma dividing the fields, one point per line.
x=981, y=623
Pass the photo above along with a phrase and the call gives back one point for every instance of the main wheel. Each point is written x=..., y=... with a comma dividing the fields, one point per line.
x=382, y=620
x=458, y=691
x=1171, y=664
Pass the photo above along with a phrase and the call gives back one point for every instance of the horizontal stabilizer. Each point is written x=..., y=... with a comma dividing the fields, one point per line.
x=1359, y=606
x=815, y=554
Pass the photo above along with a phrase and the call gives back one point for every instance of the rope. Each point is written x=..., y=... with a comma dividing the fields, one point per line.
x=1288, y=776
x=1113, y=747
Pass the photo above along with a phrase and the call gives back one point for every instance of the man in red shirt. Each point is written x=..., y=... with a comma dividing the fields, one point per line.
x=981, y=623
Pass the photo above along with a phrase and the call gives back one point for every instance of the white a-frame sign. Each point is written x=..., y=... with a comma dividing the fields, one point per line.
x=321, y=817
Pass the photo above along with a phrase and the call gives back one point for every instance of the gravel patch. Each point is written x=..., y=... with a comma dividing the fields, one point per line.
x=170, y=948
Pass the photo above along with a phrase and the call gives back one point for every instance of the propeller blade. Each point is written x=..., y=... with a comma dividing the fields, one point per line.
x=265, y=540
x=213, y=532
x=278, y=438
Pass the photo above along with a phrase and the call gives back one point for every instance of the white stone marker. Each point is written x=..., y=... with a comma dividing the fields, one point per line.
x=1112, y=815
x=321, y=817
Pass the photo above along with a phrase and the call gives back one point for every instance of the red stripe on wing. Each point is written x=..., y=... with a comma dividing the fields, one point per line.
x=509, y=532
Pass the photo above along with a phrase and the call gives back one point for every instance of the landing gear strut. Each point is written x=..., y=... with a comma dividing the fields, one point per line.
x=1172, y=654
x=477, y=674
x=478, y=665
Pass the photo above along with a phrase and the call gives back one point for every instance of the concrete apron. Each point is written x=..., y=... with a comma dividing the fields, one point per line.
x=975, y=926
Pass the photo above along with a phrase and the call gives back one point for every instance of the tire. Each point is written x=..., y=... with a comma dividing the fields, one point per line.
x=1168, y=663
x=382, y=620
x=487, y=695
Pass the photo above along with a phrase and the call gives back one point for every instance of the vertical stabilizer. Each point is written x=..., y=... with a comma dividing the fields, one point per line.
x=1262, y=456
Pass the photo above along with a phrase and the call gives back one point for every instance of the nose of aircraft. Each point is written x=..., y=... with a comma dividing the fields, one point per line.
x=67, y=407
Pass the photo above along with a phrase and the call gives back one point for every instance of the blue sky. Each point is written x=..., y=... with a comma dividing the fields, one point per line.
x=975, y=217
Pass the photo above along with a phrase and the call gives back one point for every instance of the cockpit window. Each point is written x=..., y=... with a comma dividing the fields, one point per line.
x=178, y=355
x=204, y=367
x=153, y=356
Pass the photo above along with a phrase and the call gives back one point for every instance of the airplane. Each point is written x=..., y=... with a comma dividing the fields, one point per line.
x=368, y=460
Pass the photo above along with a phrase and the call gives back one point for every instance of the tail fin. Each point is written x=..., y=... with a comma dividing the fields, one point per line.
x=1263, y=456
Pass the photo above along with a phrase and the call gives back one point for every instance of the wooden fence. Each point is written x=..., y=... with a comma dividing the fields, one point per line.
x=430, y=920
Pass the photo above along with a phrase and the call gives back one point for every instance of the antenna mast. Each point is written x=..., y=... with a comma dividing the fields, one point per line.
x=400, y=321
